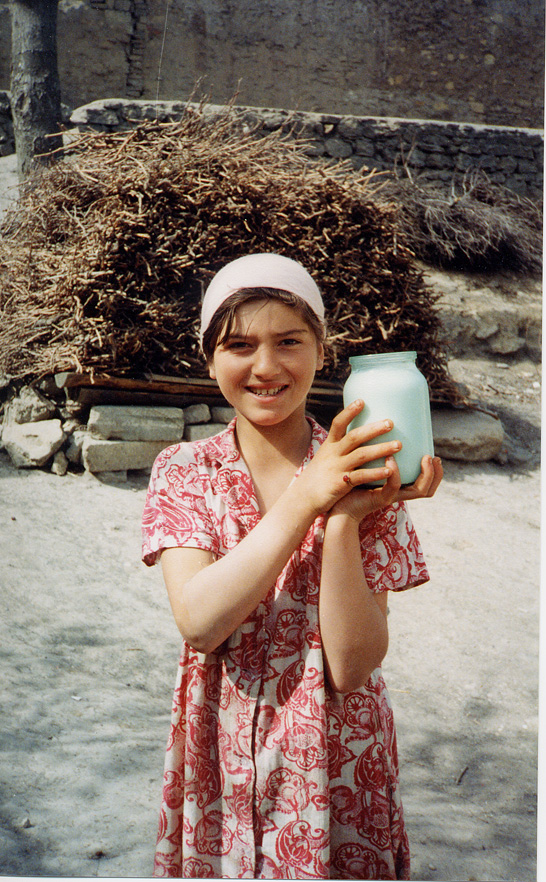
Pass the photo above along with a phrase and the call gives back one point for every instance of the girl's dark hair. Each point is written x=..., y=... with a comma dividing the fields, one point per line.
x=222, y=322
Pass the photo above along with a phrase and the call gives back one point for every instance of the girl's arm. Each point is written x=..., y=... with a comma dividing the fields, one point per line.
x=353, y=620
x=209, y=598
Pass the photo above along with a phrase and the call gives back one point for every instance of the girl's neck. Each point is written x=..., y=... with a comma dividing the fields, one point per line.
x=273, y=454
x=265, y=447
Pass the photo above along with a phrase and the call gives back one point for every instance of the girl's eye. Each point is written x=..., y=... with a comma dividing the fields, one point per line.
x=290, y=341
x=236, y=344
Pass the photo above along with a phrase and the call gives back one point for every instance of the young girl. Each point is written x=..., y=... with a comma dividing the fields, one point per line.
x=281, y=761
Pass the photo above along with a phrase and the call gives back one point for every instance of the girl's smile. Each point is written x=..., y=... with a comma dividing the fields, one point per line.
x=270, y=393
x=267, y=364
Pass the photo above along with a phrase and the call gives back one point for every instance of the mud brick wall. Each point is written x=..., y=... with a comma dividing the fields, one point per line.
x=478, y=61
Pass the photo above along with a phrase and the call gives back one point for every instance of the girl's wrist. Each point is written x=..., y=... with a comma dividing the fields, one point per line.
x=342, y=520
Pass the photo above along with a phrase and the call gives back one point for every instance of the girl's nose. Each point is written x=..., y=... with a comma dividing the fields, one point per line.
x=265, y=362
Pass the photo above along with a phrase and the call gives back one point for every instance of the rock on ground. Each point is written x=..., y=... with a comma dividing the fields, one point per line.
x=466, y=436
x=32, y=444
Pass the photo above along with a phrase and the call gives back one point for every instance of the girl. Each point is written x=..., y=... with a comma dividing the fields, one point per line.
x=281, y=760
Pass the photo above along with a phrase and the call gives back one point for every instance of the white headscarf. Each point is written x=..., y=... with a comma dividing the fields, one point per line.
x=260, y=271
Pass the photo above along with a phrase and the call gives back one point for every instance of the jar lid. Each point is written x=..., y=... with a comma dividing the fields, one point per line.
x=360, y=361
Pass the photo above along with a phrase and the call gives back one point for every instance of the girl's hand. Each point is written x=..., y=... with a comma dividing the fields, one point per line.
x=325, y=481
x=358, y=503
x=338, y=470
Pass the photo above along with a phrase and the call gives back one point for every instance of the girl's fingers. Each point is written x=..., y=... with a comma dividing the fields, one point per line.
x=355, y=438
x=438, y=475
x=360, y=478
x=340, y=423
x=358, y=458
x=428, y=481
x=391, y=487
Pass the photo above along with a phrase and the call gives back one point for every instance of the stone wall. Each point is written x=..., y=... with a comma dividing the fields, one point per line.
x=437, y=151
x=478, y=61
x=434, y=150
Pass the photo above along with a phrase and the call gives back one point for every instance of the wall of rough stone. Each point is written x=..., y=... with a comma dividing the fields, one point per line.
x=436, y=151
x=478, y=61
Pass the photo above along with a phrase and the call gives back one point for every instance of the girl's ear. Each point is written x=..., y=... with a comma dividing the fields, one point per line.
x=320, y=356
x=212, y=372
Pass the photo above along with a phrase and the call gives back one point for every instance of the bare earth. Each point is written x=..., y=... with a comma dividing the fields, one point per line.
x=88, y=651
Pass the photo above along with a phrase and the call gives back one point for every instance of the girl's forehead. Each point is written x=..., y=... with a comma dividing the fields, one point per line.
x=261, y=314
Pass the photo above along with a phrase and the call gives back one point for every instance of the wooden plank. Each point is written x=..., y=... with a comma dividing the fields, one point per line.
x=91, y=395
x=195, y=387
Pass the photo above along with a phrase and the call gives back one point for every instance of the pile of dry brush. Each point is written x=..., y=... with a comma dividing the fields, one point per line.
x=103, y=263
x=476, y=225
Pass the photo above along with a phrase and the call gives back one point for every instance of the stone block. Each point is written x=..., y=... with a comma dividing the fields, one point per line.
x=223, y=414
x=134, y=423
x=74, y=447
x=196, y=413
x=60, y=464
x=337, y=148
x=467, y=435
x=99, y=455
x=348, y=128
x=30, y=445
x=204, y=430
x=365, y=147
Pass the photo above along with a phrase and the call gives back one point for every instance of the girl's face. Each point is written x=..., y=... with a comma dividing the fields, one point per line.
x=266, y=366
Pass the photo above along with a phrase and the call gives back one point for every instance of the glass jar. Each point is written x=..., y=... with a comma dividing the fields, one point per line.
x=392, y=387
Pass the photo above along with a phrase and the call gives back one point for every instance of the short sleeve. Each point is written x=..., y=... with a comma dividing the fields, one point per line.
x=175, y=511
x=391, y=553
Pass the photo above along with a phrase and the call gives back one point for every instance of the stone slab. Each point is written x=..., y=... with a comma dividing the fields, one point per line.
x=205, y=430
x=136, y=423
x=196, y=413
x=223, y=414
x=469, y=436
x=30, y=445
x=99, y=455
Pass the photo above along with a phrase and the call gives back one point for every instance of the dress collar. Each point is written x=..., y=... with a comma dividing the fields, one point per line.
x=223, y=449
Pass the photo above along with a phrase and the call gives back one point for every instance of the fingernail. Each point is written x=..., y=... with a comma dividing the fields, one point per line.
x=388, y=424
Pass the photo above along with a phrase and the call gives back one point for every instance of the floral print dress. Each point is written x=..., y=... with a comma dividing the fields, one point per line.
x=269, y=774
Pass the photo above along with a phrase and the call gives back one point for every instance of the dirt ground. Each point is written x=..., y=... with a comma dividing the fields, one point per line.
x=88, y=651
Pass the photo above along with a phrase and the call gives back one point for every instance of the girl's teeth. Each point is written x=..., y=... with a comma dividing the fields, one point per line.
x=267, y=391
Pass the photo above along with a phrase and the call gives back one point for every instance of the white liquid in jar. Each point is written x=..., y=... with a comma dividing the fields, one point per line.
x=393, y=388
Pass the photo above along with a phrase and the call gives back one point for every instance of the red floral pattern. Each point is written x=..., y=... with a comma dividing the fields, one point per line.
x=268, y=773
